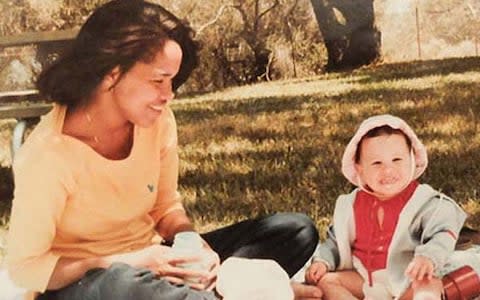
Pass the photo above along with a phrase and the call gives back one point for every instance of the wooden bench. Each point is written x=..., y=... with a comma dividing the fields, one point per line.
x=25, y=105
x=18, y=105
x=47, y=42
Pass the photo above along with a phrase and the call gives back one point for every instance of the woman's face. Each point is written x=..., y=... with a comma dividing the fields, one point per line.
x=142, y=93
x=385, y=164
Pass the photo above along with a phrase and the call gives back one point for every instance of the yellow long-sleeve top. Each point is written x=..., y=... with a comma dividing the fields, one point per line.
x=69, y=201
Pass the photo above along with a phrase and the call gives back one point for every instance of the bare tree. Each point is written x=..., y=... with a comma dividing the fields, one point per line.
x=242, y=41
x=253, y=14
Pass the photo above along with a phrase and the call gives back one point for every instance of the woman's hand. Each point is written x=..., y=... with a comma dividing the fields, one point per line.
x=315, y=272
x=150, y=257
x=420, y=267
x=203, y=279
x=164, y=262
x=212, y=263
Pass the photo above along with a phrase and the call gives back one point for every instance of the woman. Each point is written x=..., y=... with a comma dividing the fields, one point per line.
x=96, y=202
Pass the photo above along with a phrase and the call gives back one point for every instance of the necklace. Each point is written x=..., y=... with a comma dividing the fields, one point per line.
x=89, y=120
x=118, y=143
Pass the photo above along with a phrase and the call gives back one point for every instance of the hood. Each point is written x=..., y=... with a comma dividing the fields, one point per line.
x=419, y=151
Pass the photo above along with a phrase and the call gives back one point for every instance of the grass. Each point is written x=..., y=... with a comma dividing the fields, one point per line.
x=276, y=146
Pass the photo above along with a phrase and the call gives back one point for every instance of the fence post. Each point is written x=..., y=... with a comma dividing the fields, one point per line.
x=476, y=45
x=417, y=21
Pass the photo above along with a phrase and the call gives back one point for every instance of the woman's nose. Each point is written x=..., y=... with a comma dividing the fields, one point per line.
x=169, y=95
x=166, y=94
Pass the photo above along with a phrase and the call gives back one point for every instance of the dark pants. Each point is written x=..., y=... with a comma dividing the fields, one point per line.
x=287, y=238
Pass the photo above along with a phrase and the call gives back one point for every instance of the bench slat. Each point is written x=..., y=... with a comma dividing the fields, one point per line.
x=37, y=37
x=17, y=97
x=24, y=112
x=18, y=93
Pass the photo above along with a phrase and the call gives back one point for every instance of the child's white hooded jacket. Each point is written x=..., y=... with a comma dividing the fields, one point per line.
x=428, y=225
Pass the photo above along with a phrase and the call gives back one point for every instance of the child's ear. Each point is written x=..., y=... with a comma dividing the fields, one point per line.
x=358, y=168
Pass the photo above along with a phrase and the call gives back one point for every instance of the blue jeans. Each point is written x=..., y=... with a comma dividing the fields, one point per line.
x=287, y=238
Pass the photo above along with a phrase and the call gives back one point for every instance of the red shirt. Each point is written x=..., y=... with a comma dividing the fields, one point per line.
x=375, y=223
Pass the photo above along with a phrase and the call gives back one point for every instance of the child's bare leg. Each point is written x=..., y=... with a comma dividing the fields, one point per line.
x=424, y=290
x=427, y=289
x=408, y=295
x=344, y=285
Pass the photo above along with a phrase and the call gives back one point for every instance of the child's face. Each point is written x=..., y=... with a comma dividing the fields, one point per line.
x=385, y=164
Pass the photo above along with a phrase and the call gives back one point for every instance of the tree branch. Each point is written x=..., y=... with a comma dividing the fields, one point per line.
x=291, y=37
x=245, y=33
x=192, y=8
x=215, y=19
x=268, y=9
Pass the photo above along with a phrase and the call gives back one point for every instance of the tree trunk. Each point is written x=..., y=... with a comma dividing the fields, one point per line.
x=348, y=28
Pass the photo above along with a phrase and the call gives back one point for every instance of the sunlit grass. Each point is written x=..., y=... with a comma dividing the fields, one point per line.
x=276, y=146
x=283, y=88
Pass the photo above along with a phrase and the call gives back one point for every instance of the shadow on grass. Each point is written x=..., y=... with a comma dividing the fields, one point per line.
x=303, y=174
x=382, y=96
x=418, y=107
x=418, y=69
x=251, y=106
x=303, y=179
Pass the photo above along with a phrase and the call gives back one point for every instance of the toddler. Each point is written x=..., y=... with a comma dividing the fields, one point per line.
x=391, y=235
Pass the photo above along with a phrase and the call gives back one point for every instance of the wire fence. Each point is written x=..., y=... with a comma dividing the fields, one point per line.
x=417, y=30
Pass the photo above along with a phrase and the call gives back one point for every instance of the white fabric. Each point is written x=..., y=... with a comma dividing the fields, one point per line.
x=253, y=279
x=381, y=286
x=8, y=290
x=469, y=257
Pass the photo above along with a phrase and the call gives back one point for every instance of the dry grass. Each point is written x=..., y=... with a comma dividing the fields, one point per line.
x=276, y=146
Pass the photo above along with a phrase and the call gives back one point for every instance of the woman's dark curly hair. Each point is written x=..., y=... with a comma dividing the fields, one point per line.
x=118, y=34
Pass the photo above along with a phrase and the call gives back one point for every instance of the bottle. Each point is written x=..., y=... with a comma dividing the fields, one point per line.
x=189, y=243
x=463, y=283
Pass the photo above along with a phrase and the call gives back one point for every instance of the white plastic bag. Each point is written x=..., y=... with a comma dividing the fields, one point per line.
x=253, y=279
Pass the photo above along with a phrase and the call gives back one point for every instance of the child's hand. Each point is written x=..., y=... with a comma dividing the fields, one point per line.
x=419, y=268
x=315, y=272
